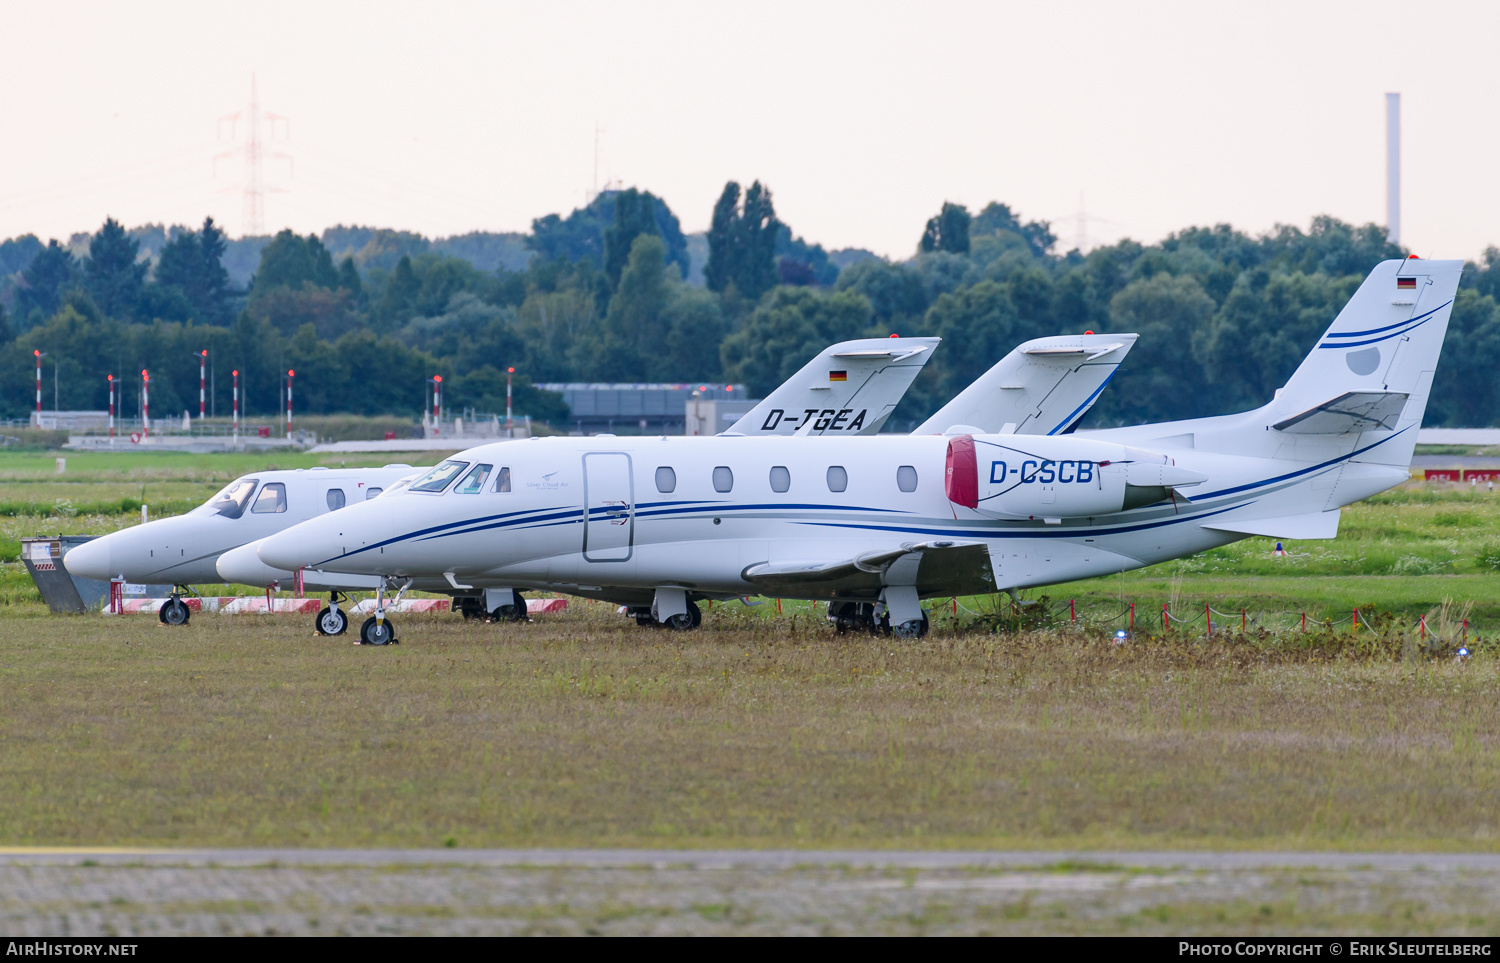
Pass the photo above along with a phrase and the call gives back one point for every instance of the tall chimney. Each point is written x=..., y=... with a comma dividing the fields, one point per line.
x=1393, y=168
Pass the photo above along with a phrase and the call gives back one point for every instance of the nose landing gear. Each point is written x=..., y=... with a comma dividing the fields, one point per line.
x=378, y=630
x=174, y=611
x=332, y=620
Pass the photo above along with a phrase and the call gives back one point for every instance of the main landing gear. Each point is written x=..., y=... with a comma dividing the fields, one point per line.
x=175, y=611
x=874, y=619
x=684, y=621
x=332, y=620
x=512, y=611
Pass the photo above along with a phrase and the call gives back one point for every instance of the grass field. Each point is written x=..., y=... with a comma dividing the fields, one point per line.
x=766, y=729
x=579, y=730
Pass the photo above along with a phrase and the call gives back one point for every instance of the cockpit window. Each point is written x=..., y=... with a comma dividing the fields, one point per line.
x=272, y=499
x=438, y=478
x=473, y=482
x=232, y=500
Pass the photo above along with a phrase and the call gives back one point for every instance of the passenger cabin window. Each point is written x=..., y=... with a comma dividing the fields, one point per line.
x=272, y=499
x=666, y=480
x=838, y=479
x=231, y=501
x=439, y=478
x=781, y=479
x=372, y=493
x=473, y=482
x=723, y=479
x=906, y=478
x=335, y=499
x=502, y=483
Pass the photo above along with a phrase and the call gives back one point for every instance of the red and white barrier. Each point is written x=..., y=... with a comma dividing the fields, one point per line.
x=256, y=605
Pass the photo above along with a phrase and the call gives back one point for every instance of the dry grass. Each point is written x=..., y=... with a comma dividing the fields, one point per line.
x=583, y=730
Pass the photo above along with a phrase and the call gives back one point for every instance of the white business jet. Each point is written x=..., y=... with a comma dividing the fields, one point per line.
x=183, y=550
x=884, y=522
x=1043, y=386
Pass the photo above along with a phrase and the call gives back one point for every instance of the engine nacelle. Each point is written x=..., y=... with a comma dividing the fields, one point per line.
x=1063, y=476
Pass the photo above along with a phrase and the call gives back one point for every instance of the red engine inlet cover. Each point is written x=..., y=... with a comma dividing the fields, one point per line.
x=962, y=479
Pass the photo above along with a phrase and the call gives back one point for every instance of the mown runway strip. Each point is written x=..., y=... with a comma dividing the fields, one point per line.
x=80, y=892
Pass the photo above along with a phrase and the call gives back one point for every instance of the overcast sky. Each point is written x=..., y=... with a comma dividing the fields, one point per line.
x=446, y=117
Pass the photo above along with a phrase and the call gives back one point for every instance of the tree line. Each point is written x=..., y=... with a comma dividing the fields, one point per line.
x=616, y=291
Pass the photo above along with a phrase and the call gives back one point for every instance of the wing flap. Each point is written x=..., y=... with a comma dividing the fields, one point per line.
x=935, y=562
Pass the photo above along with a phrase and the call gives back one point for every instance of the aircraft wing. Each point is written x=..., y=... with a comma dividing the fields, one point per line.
x=1043, y=387
x=850, y=388
x=1350, y=412
x=939, y=566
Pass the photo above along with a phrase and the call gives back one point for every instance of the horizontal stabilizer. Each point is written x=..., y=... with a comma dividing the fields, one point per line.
x=1311, y=525
x=1352, y=411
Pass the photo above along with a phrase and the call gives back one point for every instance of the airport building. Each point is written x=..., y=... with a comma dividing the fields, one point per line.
x=664, y=409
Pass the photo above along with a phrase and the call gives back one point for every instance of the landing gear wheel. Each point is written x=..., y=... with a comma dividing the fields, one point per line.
x=912, y=629
x=174, y=612
x=843, y=616
x=511, y=612
x=685, y=621
x=331, y=621
x=471, y=608
x=371, y=633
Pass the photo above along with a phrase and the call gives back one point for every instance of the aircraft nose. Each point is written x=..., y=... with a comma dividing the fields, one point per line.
x=90, y=560
x=242, y=566
x=312, y=542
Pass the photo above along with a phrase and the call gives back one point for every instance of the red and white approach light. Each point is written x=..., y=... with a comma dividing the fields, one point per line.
x=290, y=374
x=111, y=409
x=145, y=405
x=39, y=356
x=202, y=380
x=509, y=373
x=236, y=404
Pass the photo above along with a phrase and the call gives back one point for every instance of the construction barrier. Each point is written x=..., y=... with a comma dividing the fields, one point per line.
x=257, y=605
x=1456, y=475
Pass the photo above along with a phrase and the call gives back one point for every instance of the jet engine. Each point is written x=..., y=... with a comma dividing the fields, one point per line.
x=1056, y=477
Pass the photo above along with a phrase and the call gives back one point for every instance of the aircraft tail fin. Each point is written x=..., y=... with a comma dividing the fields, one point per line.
x=850, y=388
x=1043, y=387
x=1371, y=371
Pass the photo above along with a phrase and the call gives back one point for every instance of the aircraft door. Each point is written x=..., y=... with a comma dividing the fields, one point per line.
x=608, y=507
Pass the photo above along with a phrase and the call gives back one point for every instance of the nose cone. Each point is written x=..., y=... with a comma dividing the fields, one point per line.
x=242, y=566
x=329, y=541
x=90, y=560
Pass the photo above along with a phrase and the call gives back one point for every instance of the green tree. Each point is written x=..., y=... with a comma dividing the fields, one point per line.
x=294, y=262
x=193, y=263
x=400, y=298
x=44, y=283
x=742, y=242
x=787, y=329
x=112, y=275
x=635, y=327
x=634, y=216
x=948, y=231
x=1163, y=378
x=349, y=280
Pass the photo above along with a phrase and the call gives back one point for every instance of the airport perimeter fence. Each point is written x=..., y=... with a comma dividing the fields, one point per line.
x=1067, y=614
x=1131, y=619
